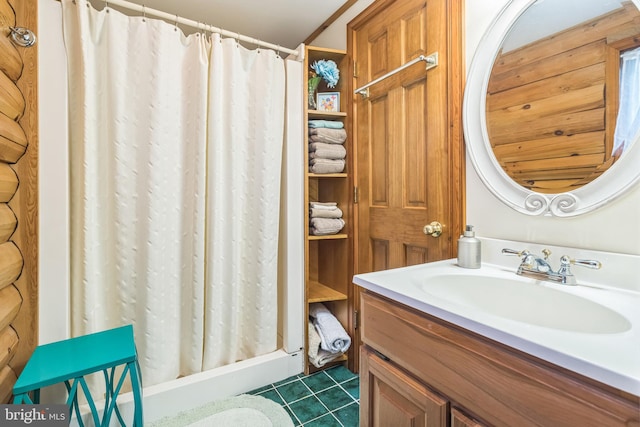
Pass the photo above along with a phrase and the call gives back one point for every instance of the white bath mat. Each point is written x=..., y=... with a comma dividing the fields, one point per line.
x=240, y=411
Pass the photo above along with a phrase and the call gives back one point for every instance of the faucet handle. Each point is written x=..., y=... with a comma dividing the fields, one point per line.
x=589, y=263
x=546, y=253
x=523, y=253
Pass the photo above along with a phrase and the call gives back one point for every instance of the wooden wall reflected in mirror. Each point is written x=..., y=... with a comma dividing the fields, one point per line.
x=551, y=104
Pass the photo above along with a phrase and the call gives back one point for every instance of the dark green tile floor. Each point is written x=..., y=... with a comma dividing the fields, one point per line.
x=325, y=399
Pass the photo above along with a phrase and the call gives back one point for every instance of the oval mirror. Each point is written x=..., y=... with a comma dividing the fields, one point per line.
x=551, y=120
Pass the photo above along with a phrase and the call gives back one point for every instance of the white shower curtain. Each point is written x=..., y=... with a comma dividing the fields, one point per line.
x=246, y=131
x=175, y=166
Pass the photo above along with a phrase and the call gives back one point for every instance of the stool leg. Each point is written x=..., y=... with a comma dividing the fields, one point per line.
x=136, y=388
x=111, y=396
x=22, y=398
x=72, y=401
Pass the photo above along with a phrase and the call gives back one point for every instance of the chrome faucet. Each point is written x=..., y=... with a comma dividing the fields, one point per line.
x=539, y=268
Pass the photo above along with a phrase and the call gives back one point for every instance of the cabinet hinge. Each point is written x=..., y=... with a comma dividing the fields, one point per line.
x=355, y=195
x=356, y=319
x=355, y=69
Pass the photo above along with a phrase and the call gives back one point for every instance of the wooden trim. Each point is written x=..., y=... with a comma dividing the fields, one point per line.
x=456, y=78
x=337, y=14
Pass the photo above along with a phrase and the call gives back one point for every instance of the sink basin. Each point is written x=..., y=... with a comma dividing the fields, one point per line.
x=526, y=301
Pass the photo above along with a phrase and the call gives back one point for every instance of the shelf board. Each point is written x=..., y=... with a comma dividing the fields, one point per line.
x=315, y=114
x=327, y=175
x=328, y=237
x=317, y=292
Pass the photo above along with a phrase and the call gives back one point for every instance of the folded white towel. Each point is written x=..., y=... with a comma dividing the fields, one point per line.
x=325, y=213
x=325, y=226
x=333, y=337
x=329, y=136
x=326, y=165
x=317, y=356
x=324, y=205
x=319, y=150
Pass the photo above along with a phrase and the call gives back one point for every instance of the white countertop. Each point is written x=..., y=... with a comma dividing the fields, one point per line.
x=609, y=356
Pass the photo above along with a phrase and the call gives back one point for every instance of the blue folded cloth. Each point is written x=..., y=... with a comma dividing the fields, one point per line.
x=333, y=337
x=332, y=124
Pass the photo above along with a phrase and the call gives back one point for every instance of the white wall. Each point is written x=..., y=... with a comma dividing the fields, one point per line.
x=53, y=202
x=613, y=228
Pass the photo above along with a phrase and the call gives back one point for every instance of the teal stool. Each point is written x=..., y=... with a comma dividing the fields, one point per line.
x=70, y=360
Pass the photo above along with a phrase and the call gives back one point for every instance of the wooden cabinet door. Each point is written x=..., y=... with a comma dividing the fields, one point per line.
x=390, y=397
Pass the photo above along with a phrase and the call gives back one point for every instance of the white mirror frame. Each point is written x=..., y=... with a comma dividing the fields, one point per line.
x=623, y=175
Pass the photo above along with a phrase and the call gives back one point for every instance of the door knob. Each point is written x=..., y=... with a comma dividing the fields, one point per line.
x=434, y=229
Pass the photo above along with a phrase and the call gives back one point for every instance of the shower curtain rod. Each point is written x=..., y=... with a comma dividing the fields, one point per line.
x=199, y=25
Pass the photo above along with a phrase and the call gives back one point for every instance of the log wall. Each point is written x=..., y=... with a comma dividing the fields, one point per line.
x=18, y=195
x=552, y=104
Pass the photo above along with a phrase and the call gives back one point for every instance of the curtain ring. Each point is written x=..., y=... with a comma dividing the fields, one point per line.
x=144, y=14
x=237, y=39
x=175, y=24
x=106, y=5
x=278, y=52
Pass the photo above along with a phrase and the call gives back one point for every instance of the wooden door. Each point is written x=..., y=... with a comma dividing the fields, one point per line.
x=390, y=397
x=407, y=132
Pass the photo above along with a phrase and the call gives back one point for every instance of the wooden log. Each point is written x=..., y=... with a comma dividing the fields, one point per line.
x=8, y=182
x=558, y=166
x=611, y=27
x=549, y=148
x=8, y=222
x=563, y=62
x=523, y=110
x=10, y=60
x=10, y=302
x=553, y=86
x=11, y=130
x=25, y=202
x=13, y=141
x=10, y=152
x=11, y=263
x=565, y=124
x=12, y=102
x=7, y=17
x=8, y=343
x=8, y=378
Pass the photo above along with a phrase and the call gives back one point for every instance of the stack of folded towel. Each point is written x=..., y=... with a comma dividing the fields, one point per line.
x=326, y=146
x=325, y=218
x=327, y=338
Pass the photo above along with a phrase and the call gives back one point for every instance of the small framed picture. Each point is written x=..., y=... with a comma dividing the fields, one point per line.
x=329, y=101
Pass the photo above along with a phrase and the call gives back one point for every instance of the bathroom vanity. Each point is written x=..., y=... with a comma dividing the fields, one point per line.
x=430, y=358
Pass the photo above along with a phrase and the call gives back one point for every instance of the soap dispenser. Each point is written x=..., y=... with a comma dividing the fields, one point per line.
x=469, y=249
